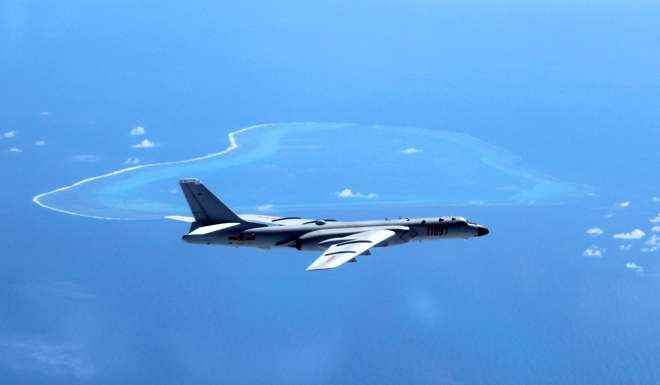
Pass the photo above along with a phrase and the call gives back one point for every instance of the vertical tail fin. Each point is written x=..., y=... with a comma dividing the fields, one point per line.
x=206, y=207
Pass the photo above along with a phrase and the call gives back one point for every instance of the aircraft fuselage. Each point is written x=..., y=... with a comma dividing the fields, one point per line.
x=311, y=236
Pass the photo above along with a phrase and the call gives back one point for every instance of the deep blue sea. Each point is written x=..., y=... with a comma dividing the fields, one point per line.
x=541, y=121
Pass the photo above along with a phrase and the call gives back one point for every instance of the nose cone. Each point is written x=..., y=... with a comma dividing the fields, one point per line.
x=481, y=231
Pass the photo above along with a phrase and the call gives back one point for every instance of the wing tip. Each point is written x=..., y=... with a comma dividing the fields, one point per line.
x=318, y=268
x=315, y=266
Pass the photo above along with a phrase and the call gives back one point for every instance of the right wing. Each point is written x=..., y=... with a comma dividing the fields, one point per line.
x=346, y=248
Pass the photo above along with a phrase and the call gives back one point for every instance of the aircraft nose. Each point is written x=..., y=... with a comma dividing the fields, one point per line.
x=481, y=231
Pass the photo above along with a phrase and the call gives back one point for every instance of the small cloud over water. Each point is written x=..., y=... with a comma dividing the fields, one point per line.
x=145, y=143
x=138, y=131
x=411, y=150
x=348, y=193
x=652, y=244
x=593, y=252
x=656, y=219
x=265, y=207
x=595, y=231
x=635, y=234
x=635, y=267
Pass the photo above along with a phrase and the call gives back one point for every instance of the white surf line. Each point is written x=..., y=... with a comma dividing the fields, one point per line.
x=232, y=146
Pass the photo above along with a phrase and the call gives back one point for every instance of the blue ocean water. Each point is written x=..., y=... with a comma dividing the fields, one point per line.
x=569, y=90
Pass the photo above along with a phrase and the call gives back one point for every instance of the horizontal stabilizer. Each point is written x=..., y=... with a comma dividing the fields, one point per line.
x=180, y=218
x=203, y=230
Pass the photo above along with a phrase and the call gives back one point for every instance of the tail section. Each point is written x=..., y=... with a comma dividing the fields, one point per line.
x=206, y=207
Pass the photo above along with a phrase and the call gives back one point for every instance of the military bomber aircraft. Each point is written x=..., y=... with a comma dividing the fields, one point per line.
x=214, y=223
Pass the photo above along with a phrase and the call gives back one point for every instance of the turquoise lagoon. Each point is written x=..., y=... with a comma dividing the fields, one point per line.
x=284, y=167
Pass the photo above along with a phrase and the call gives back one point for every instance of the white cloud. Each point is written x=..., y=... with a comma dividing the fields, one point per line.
x=15, y=149
x=609, y=215
x=411, y=150
x=137, y=131
x=625, y=247
x=348, y=193
x=145, y=143
x=174, y=191
x=595, y=231
x=593, y=252
x=345, y=193
x=653, y=244
x=265, y=207
x=9, y=134
x=40, y=143
x=132, y=161
x=635, y=234
x=655, y=229
x=44, y=113
x=635, y=267
x=88, y=158
x=655, y=199
x=656, y=219
x=623, y=205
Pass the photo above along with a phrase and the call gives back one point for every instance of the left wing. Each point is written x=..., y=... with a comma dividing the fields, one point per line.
x=254, y=218
x=346, y=248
